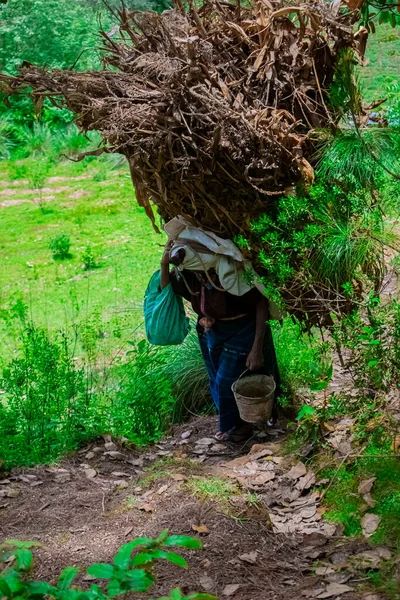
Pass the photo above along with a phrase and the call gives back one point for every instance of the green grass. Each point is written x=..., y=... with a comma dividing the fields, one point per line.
x=212, y=488
x=99, y=211
x=383, y=51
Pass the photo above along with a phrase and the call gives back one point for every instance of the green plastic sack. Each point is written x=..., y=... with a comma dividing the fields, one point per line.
x=164, y=315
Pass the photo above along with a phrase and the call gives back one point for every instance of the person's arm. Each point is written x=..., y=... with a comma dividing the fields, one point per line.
x=255, y=359
x=165, y=278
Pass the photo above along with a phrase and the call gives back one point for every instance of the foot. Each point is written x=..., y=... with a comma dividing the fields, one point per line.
x=236, y=434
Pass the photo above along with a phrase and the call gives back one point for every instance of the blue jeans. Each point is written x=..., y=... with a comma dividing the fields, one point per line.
x=225, y=349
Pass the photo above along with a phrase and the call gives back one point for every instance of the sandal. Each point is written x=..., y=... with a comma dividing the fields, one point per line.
x=236, y=435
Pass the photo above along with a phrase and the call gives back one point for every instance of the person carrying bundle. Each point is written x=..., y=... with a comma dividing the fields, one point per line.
x=232, y=324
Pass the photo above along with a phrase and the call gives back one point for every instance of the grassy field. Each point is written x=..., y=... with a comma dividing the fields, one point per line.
x=382, y=54
x=95, y=206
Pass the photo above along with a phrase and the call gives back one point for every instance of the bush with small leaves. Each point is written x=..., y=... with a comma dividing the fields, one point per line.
x=132, y=571
x=89, y=261
x=60, y=246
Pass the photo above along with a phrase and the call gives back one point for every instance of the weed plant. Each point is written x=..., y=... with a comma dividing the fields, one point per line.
x=60, y=247
x=51, y=402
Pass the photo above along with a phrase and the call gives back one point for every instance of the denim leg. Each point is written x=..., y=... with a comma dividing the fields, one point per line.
x=211, y=358
x=231, y=366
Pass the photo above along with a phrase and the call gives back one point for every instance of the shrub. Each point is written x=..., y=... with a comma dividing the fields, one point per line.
x=47, y=407
x=60, y=247
x=132, y=571
x=295, y=352
x=89, y=261
x=6, y=140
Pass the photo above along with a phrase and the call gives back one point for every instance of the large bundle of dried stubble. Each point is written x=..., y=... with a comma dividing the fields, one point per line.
x=214, y=107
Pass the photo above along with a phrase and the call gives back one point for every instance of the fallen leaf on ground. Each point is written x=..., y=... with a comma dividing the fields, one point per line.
x=324, y=570
x=110, y=446
x=370, y=523
x=369, y=500
x=218, y=448
x=127, y=531
x=205, y=442
x=335, y=589
x=263, y=478
x=146, y=507
x=312, y=592
x=207, y=583
x=250, y=558
x=297, y=471
x=115, y=454
x=186, y=434
x=200, y=528
x=230, y=589
x=90, y=473
x=162, y=489
x=12, y=493
x=369, y=559
x=304, y=483
x=120, y=474
x=366, y=485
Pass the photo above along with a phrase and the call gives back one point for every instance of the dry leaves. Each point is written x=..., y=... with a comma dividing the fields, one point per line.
x=366, y=485
x=297, y=471
x=335, y=589
x=200, y=529
x=250, y=558
x=230, y=589
x=370, y=523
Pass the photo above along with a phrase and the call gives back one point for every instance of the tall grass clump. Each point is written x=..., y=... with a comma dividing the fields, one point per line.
x=157, y=387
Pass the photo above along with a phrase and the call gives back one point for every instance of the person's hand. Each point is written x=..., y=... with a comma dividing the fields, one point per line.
x=255, y=360
x=166, y=254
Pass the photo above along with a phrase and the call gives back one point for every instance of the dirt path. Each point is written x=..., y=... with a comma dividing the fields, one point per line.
x=261, y=523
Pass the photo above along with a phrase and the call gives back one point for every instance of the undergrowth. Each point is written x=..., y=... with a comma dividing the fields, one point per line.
x=51, y=403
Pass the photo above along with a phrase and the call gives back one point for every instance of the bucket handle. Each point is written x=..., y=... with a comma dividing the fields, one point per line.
x=240, y=376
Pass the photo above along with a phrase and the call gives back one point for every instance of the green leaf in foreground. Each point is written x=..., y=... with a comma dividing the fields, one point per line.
x=174, y=558
x=66, y=578
x=40, y=588
x=24, y=559
x=182, y=540
x=305, y=411
x=101, y=571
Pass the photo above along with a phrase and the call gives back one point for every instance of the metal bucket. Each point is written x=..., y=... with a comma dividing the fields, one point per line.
x=254, y=395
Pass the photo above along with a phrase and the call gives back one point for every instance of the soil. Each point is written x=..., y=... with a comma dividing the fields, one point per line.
x=83, y=509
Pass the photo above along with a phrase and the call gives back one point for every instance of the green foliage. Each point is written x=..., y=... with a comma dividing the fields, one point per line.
x=89, y=261
x=132, y=571
x=371, y=337
x=60, y=247
x=295, y=352
x=46, y=407
x=345, y=504
x=330, y=236
x=7, y=142
x=355, y=156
